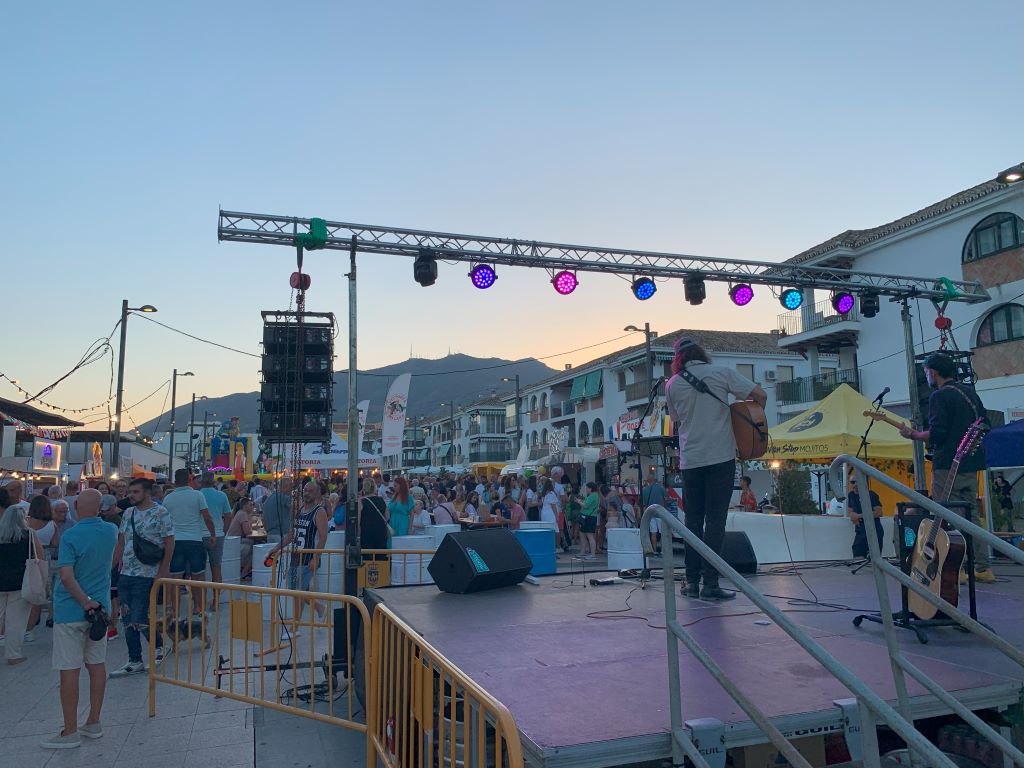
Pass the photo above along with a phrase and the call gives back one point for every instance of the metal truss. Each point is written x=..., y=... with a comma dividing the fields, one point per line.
x=553, y=257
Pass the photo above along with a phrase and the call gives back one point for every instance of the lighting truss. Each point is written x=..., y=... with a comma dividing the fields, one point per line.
x=554, y=257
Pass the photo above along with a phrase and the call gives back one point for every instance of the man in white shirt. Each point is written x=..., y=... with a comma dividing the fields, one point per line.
x=192, y=522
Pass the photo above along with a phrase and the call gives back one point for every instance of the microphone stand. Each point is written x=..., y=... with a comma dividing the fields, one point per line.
x=864, y=447
x=637, y=436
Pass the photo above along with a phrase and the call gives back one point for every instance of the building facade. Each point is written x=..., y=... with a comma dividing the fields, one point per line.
x=975, y=235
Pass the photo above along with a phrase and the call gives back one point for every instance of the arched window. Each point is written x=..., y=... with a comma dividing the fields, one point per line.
x=1005, y=323
x=584, y=433
x=994, y=234
x=544, y=438
x=544, y=401
x=533, y=439
x=533, y=403
x=598, y=431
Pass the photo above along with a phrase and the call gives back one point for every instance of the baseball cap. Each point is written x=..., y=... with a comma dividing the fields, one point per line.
x=108, y=502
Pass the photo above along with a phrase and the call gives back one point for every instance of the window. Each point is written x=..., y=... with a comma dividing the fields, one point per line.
x=994, y=234
x=598, y=431
x=784, y=372
x=1004, y=323
x=180, y=448
x=622, y=381
x=745, y=369
x=666, y=369
x=584, y=433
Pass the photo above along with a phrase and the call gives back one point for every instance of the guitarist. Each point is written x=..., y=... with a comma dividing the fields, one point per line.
x=707, y=452
x=952, y=408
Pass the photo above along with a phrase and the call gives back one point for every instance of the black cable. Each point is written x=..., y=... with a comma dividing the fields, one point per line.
x=197, y=338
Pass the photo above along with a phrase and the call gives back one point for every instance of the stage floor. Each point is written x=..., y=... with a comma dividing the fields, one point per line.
x=588, y=691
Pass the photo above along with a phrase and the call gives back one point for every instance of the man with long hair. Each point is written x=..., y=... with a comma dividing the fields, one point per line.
x=707, y=452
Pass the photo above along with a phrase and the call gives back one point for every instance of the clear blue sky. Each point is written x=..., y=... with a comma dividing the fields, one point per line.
x=744, y=130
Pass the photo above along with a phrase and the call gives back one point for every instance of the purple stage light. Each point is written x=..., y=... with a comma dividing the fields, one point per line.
x=565, y=282
x=842, y=301
x=741, y=294
x=483, y=276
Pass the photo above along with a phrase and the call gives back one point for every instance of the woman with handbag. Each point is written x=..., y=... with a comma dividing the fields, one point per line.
x=17, y=542
x=40, y=520
x=374, y=529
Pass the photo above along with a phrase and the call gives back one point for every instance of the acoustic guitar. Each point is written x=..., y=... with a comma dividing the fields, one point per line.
x=750, y=428
x=939, y=554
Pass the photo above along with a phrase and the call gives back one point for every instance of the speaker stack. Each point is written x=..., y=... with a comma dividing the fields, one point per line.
x=297, y=392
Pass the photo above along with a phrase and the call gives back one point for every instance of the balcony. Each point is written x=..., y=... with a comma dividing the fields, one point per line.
x=538, y=452
x=810, y=389
x=563, y=409
x=820, y=324
x=641, y=390
x=476, y=456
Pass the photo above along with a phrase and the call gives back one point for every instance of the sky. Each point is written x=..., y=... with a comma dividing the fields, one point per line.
x=740, y=130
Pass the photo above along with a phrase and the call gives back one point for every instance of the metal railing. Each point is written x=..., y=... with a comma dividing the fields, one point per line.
x=304, y=663
x=820, y=315
x=488, y=455
x=810, y=389
x=641, y=390
x=869, y=704
x=564, y=408
x=428, y=712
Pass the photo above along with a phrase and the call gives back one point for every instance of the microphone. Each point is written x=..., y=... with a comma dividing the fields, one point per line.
x=881, y=396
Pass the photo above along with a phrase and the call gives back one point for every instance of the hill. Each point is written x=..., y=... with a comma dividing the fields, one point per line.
x=460, y=377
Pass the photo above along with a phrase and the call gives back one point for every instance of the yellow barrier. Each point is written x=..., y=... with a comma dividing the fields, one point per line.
x=297, y=663
x=427, y=713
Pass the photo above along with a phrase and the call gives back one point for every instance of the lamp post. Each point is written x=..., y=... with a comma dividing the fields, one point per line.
x=115, y=448
x=206, y=438
x=191, y=430
x=174, y=393
x=451, y=426
x=518, y=427
x=648, y=335
x=1011, y=175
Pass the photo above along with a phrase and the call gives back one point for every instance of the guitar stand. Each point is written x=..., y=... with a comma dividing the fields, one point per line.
x=905, y=619
x=857, y=567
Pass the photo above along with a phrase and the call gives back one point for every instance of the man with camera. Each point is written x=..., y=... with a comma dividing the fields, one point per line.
x=81, y=606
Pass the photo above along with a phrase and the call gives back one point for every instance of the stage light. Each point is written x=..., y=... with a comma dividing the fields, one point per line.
x=565, y=282
x=842, y=301
x=791, y=298
x=741, y=294
x=424, y=269
x=644, y=288
x=693, y=289
x=869, y=304
x=483, y=276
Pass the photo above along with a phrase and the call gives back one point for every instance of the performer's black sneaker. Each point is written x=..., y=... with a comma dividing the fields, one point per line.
x=716, y=593
x=692, y=589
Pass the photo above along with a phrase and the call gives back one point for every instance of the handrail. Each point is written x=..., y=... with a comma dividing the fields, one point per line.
x=869, y=701
x=900, y=664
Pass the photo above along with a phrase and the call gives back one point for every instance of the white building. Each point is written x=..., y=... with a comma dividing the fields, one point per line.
x=472, y=433
x=977, y=234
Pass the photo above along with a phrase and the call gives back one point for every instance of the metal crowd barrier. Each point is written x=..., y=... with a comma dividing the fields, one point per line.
x=868, y=703
x=899, y=662
x=429, y=714
x=302, y=662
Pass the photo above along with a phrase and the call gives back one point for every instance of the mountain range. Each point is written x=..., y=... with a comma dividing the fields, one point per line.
x=461, y=378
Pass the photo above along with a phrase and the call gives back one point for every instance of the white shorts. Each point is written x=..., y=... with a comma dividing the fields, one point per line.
x=72, y=647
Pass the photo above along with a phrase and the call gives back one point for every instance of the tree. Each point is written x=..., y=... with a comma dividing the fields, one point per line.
x=794, y=486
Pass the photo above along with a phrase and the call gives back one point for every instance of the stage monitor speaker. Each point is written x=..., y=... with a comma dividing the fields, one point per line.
x=472, y=561
x=737, y=552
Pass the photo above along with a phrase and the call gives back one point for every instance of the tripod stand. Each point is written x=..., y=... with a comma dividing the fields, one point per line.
x=906, y=536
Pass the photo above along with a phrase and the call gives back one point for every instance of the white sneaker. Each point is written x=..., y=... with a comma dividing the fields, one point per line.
x=30, y=636
x=3, y=639
x=158, y=656
x=131, y=668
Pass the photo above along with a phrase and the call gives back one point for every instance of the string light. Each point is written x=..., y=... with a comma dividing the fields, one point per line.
x=23, y=391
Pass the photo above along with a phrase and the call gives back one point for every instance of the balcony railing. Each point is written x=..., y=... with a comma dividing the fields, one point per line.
x=538, y=452
x=641, y=390
x=566, y=408
x=821, y=315
x=810, y=389
x=502, y=455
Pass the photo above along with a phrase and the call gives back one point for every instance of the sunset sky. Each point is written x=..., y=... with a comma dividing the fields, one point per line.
x=741, y=130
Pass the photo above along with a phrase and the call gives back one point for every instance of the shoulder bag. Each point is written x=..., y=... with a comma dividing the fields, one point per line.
x=147, y=552
x=33, y=583
x=391, y=531
x=749, y=424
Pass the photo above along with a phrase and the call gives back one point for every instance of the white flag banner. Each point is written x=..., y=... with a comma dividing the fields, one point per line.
x=395, y=407
x=363, y=407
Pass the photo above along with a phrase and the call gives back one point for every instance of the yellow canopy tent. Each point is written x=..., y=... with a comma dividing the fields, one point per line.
x=835, y=426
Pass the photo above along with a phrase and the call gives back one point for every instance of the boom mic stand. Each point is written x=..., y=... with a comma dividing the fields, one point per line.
x=864, y=447
x=635, y=444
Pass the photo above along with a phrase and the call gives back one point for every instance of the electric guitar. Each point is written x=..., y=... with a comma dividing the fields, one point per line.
x=878, y=416
x=939, y=554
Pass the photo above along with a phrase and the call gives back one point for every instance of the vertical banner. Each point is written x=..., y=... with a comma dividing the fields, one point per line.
x=363, y=407
x=395, y=407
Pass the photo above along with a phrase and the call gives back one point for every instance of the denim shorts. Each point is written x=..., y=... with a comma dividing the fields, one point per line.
x=216, y=553
x=299, y=577
x=189, y=557
x=134, y=592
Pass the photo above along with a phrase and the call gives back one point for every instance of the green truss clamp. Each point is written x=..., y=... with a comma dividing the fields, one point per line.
x=316, y=238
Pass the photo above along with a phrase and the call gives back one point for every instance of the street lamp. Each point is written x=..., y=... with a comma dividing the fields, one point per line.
x=115, y=449
x=1012, y=175
x=174, y=393
x=451, y=426
x=648, y=335
x=518, y=429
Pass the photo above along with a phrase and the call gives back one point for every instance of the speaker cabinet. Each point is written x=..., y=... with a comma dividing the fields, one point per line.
x=737, y=552
x=472, y=561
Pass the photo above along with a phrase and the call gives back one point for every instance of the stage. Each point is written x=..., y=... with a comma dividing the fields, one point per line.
x=591, y=692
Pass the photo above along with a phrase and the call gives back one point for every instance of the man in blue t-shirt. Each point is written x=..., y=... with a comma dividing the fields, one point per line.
x=85, y=558
x=220, y=510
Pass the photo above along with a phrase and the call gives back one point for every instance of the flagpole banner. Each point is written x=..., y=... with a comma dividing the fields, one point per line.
x=363, y=408
x=395, y=407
